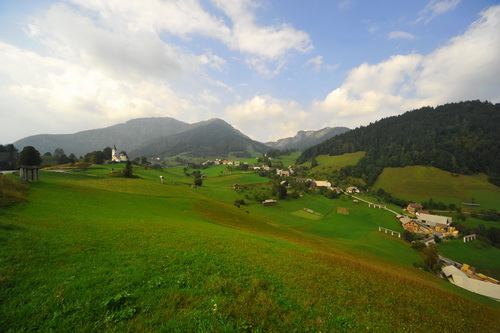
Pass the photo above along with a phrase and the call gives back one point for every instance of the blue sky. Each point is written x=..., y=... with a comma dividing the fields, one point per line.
x=269, y=68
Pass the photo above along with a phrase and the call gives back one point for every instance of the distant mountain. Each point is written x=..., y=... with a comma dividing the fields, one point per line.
x=209, y=138
x=306, y=139
x=127, y=136
x=458, y=137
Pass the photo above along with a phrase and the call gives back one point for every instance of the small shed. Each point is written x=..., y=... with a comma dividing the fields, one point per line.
x=269, y=202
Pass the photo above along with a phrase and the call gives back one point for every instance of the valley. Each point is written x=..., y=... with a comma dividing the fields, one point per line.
x=95, y=252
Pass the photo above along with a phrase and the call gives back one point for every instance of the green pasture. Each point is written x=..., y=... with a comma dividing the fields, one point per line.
x=331, y=163
x=290, y=159
x=485, y=258
x=419, y=183
x=89, y=252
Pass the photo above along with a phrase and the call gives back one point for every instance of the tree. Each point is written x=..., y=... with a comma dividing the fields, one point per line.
x=197, y=181
x=62, y=159
x=58, y=152
x=128, y=170
x=99, y=157
x=107, y=153
x=431, y=258
x=29, y=156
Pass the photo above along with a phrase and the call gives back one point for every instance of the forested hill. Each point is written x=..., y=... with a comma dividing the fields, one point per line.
x=458, y=137
x=209, y=138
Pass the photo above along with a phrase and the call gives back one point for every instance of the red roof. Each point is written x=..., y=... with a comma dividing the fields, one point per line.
x=415, y=205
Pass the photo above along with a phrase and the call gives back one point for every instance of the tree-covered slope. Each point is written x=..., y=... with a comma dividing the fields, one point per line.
x=458, y=137
x=210, y=138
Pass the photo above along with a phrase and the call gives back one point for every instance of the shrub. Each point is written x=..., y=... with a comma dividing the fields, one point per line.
x=12, y=192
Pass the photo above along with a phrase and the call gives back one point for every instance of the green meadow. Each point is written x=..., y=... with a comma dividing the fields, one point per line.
x=88, y=252
x=419, y=183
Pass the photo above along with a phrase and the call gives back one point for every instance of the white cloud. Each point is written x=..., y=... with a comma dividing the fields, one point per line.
x=400, y=35
x=317, y=64
x=260, y=44
x=57, y=94
x=435, y=8
x=464, y=69
x=267, y=117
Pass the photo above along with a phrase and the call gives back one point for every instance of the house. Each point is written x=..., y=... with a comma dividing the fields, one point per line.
x=422, y=211
x=433, y=220
x=321, y=183
x=352, y=189
x=283, y=173
x=413, y=207
x=411, y=226
x=269, y=202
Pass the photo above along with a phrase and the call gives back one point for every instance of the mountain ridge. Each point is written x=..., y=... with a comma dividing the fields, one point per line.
x=305, y=139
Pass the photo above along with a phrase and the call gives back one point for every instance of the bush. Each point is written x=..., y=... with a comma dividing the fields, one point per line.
x=240, y=202
x=12, y=192
x=419, y=246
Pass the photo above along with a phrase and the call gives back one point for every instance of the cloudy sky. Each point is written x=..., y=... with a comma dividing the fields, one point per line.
x=268, y=67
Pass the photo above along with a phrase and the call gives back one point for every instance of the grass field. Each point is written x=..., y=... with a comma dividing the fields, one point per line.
x=419, y=183
x=92, y=253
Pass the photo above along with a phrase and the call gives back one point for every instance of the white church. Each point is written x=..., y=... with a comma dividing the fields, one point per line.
x=118, y=157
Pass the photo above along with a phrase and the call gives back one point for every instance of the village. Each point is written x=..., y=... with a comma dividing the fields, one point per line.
x=428, y=228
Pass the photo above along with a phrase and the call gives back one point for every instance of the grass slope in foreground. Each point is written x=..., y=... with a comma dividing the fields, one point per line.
x=419, y=183
x=91, y=253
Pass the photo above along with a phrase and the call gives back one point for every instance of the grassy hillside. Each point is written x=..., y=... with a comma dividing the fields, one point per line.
x=93, y=253
x=420, y=183
x=327, y=163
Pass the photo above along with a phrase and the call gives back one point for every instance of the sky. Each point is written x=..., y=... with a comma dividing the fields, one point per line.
x=268, y=67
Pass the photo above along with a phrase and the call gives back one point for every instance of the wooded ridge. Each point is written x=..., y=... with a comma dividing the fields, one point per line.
x=457, y=137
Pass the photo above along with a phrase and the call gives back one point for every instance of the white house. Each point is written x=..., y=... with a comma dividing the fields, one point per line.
x=283, y=173
x=433, y=220
x=352, y=189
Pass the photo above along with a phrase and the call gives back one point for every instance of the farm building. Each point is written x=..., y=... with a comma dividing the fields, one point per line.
x=269, y=202
x=321, y=183
x=433, y=220
x=476, y=283
x=352, y=189
x=413, y=207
